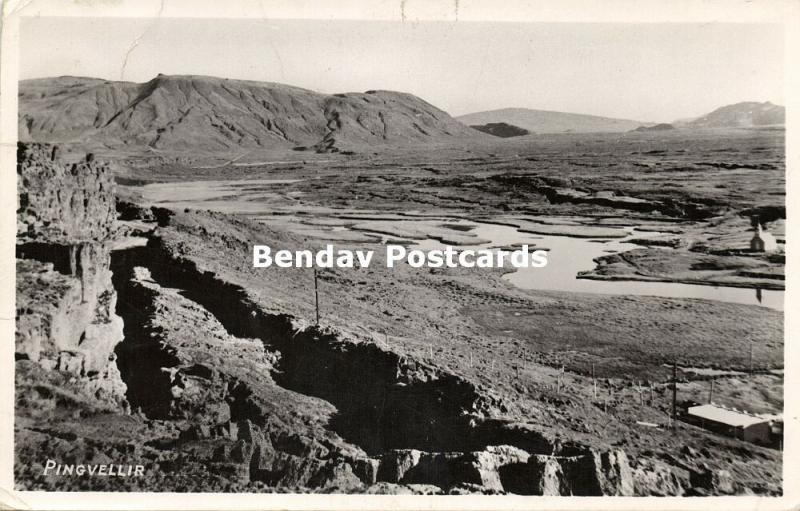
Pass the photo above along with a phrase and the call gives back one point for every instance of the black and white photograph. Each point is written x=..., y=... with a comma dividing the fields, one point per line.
x=413, y=256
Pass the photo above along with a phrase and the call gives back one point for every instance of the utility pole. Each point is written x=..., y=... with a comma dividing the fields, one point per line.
x=711, y=391
x=675, y=391
x=316, y=295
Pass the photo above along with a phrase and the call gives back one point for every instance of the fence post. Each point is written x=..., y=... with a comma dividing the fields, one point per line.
x=640, y=391
x=316, y=295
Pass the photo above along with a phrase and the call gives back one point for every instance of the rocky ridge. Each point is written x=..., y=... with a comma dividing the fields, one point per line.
x=206, y=114
x=250, y=385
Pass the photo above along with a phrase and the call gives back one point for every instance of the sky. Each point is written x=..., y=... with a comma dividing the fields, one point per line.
x=644, y=72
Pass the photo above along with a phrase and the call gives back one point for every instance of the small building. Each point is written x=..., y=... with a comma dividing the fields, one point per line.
x=763, y=241
x=732, y=423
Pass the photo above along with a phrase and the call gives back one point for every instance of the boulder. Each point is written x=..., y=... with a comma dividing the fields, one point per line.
x=594, y=473
x=395, y=464
x=489, y=463
x=712, y=481
x=656, y=478
x=598, y=473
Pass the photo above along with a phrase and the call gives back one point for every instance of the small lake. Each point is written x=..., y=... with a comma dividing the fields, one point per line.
x=569, y=256
x=240, y=196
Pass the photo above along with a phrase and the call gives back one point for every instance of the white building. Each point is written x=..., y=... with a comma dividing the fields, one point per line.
x=731, y=422
x=763, y=241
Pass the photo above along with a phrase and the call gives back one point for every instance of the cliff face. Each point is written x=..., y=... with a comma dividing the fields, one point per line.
x=60, y=201
x=66, y=320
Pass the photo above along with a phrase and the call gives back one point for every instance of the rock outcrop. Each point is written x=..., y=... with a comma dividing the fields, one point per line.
x=509, y=469
x=656, y=478
x=66, y=302
x=62, y=201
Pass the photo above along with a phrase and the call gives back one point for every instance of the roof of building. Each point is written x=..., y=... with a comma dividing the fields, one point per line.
x=724, y=416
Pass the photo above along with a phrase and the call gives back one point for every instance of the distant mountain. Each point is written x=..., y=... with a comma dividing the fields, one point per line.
x=185, y=113
x=740, y=115
x=657, y=127
x=683, y=121
x=501, y=129
x=545, y=121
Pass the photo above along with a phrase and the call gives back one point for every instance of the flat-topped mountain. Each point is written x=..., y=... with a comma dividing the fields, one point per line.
x=185, y=113
x=741, y=115
x=546, y=121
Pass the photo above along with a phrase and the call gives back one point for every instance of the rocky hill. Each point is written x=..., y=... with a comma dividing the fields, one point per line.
x=658, y=127
x=501, y=129
x=190, y=113
x=545, y=121
x=741, y=115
